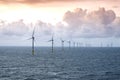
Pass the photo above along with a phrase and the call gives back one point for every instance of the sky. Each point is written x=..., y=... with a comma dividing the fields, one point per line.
x=88, y=22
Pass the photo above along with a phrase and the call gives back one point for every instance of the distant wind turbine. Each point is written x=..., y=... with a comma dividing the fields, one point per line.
x=52, y=40
x=101, y=44
x=33, y=41
x=111, y=44
x=69, y=42
x=77, y=44
x=108, y=45
x=80, y=44
x=62, y=42
x=73, y=44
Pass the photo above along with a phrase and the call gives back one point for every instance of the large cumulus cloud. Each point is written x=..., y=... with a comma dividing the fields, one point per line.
x=78, y=23
x=95, y=24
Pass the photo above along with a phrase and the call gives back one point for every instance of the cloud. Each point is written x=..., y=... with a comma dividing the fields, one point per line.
x=116, y=27
x=43, y=28
x=18, y=28
x=100, y=23
x=35, y=1
x=45, y=1
x=115, y=6
x=102, y=16
x=78, y=23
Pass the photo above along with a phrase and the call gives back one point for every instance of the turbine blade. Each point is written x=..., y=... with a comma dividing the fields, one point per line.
x=28, y=38
x=49, y=40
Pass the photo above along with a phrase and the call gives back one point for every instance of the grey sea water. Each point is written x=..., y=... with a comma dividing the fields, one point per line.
x=17, y=63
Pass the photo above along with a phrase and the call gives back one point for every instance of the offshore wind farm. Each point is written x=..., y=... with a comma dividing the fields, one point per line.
x=65, y=62
x=59, y=40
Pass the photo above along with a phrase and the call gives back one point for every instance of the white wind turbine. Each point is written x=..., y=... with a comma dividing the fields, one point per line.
x=33, y=41
x=52, y=40
x=62, y=43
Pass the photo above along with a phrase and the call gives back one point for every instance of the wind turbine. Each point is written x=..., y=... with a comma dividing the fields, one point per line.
x=111, y=44
x=77, y=44
x=73, y=44
x=33, y=41
x=101, y=44
x=80, y=44
x=69, y=42
x=62, y=42
x=52, y=40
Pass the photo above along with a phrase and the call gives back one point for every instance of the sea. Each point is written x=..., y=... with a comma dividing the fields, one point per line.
x=80, y=63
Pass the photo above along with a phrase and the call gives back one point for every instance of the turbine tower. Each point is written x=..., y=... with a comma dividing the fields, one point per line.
x=62, y=42
x=52, y=40
x=73, y=44
x=80, y=44
x=101, y=44
x=77, y=44
x=69, y=42
x=33, y=41
x=111, y=44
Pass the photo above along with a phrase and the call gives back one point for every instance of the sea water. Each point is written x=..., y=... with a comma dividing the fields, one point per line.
x=18, y=63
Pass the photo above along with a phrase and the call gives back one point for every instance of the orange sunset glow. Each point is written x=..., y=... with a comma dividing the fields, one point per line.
x=51, y=11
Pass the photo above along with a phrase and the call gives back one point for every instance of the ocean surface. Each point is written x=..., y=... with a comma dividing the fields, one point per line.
x=18, y=63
